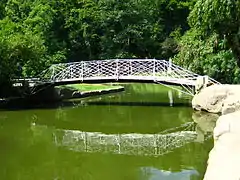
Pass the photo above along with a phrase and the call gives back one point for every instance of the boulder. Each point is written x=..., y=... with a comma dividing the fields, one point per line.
x=224, y=158
x=231, y=104
x=217, y=99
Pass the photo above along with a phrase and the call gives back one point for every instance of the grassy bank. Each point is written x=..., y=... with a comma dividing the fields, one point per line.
x=86, y=90
x=91, y=87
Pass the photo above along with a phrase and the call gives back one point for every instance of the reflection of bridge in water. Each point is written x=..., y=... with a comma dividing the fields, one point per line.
x=130, y=144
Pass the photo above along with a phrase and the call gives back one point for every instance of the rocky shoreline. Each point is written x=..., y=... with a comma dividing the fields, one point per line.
x=224, y=158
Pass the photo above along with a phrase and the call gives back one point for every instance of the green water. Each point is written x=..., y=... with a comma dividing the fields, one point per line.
x=132, y=135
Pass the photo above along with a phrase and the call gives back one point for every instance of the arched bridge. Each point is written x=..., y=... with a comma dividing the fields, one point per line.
x=125, y=70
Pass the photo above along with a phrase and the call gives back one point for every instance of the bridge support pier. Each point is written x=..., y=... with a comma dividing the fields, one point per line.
x=201, y=83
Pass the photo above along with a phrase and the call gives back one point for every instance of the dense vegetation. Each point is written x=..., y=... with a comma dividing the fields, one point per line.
x=201, y=35
x=212, y=45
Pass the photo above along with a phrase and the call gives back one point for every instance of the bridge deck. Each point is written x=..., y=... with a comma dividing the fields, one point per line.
x=151, y=79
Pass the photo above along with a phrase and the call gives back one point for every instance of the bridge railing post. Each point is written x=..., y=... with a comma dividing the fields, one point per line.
x=154, y=69
x=130, y=68
x=82, y=71
x=98, y=68
x=169, y=69
x=117, y=70
x=201, y=83
x=71, y=72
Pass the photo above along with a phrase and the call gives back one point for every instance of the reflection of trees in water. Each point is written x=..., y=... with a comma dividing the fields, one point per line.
x=157, y=90
x=131, y=144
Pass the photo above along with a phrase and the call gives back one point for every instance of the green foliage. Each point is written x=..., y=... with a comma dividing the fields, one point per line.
x=82, y=23
x=220, y=16
x=140, y=28
x=216, y=15
x=18, y=49
x=193, y=49
x=222, y=66
x=207, y=56
x=212, y=45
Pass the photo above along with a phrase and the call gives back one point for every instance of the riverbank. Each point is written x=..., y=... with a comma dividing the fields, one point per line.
x=85, y=90
x=224, y=158
x=54, y=95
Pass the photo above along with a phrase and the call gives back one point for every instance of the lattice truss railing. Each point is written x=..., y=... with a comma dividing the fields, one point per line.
x=131, y=144
x=133, y=69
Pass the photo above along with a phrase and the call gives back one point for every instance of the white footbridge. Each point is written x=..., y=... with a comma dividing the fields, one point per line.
x=127, y=70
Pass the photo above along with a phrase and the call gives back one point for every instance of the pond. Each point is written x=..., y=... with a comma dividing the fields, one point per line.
x=144, y=133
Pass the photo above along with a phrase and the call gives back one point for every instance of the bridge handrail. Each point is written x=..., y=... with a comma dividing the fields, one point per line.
x=123, y=68
x=166, y=63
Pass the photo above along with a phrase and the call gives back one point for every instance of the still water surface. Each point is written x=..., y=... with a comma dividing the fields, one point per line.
x=139, y=134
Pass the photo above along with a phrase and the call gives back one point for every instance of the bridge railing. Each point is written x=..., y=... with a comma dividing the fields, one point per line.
x=131, y=69
x=116, y=68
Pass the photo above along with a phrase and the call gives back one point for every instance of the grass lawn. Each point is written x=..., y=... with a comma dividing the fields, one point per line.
x=90, y=87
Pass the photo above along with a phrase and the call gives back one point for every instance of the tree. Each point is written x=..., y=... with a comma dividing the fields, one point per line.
x=202, y=55
x=18, y=48
x=141, y=28
x=222, y=17
x=37, y=33
x=2, y=8
x=82, y=22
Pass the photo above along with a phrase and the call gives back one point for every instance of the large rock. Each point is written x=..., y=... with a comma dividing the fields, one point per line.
x=231, y=104
x=224, y=159
x=218, y=99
